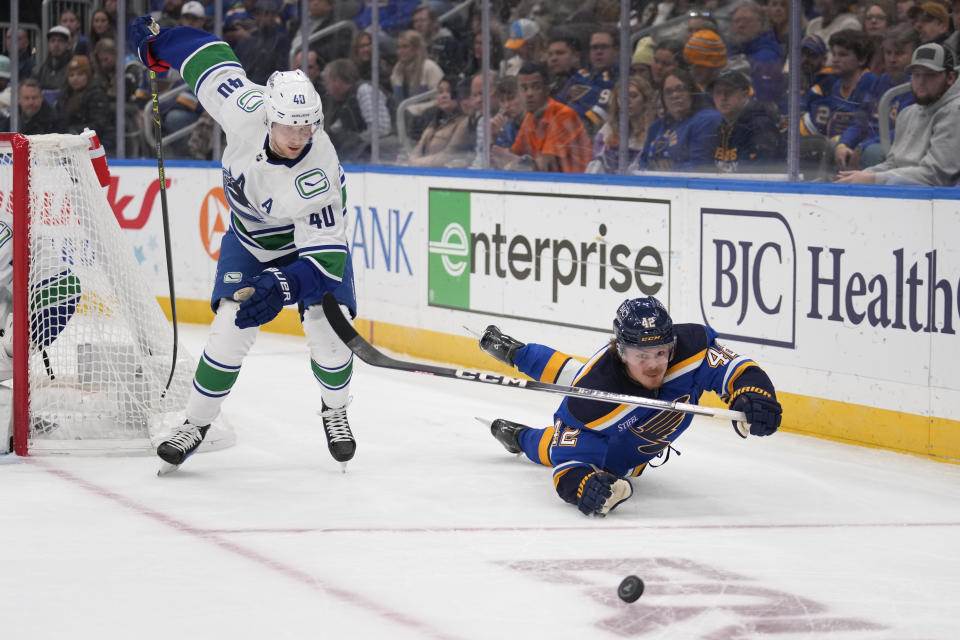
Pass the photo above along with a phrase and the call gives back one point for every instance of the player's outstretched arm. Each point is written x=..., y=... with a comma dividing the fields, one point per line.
x=208, y=65
x=754, y=394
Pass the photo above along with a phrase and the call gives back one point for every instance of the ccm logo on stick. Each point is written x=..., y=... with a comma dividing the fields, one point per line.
x=479, y=376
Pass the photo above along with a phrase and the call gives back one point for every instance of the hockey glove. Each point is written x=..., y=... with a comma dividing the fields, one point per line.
x=762, y=410
x=272, y=289
x=500, y=346
x=140, y=33
x=600, y=492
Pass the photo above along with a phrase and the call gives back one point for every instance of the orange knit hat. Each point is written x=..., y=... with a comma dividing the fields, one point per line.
x=705, y=49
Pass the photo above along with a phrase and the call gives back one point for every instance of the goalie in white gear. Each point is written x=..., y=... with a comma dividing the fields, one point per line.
x=287, y=239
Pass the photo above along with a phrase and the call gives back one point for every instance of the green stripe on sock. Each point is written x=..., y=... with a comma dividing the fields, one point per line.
x=203, y=59
x=332, y=379
x=214, y=379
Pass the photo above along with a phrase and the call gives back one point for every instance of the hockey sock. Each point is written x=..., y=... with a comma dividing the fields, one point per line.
x=536, y=444
x=227, y=346
x=330, y=360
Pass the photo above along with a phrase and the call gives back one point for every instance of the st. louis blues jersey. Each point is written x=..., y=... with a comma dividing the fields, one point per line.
x=842, y=116
x=622, y=438
x=277, y=207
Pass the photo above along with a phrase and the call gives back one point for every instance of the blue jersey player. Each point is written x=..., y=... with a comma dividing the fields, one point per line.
x=287, y=242
x=594, y=447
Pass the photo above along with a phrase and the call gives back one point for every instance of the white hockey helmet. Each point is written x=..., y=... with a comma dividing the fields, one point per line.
x=291, y=99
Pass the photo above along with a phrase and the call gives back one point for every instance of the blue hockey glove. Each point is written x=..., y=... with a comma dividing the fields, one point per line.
x=140, y=33
x=600, y=492
x=762, y=410
x=272, y=289
x=500, y=346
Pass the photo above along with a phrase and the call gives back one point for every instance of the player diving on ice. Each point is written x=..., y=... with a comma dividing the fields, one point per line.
x=287, y=240
x=595, y=446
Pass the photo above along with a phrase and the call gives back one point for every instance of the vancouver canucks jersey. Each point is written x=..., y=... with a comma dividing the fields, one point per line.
x=277, y=207
x=623, y=438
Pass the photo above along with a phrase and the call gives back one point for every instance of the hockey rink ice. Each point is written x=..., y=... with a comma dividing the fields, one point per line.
x=436, y=532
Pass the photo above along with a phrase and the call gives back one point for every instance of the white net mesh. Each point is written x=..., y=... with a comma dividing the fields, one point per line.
x=100, y=345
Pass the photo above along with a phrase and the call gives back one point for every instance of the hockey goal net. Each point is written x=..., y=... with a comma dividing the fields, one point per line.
x=92, y=346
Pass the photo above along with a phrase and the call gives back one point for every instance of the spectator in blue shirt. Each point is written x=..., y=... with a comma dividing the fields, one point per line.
x=680, y=139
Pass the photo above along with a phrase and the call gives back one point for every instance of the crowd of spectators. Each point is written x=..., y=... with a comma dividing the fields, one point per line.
x=707, y=87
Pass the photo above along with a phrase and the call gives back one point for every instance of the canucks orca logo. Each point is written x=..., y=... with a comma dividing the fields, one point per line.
x=237, y=199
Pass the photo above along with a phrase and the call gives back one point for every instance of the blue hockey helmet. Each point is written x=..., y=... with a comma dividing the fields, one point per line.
x=643, y=322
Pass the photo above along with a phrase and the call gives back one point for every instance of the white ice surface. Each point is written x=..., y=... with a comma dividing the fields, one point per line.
x=436, y=532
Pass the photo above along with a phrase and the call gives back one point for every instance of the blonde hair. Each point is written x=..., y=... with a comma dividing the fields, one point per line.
x=638, y=123
x=410, y=71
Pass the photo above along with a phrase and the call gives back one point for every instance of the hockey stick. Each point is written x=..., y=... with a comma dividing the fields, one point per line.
x=154, y=90
x=369, y=354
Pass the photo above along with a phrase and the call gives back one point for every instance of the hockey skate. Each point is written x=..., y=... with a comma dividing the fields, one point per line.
x=508, y=433
x=340, y=439
x=180, y=446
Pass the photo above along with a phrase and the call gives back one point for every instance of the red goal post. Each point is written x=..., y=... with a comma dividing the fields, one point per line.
x=91, y=345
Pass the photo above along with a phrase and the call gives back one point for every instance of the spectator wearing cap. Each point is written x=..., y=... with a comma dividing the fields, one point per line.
x=680, y=139
x=748, y=137
x=588, y=92
x=706, y=56
x=27, y=58
x=53, y=72
x=898, y=45
x=237, y=25
x=832, y=19
x=752, y=37
x=265, y=50
x=525, y=42
x=82, y=103
x=928, y=133
x=551, y=138
x=192, y=14
x=813, y=57
x=642, y=62
x=335, y=45
x=932, y=22
x=36, y=114
x=442, y=47
x=79, y=44
x=606, y=144
x=563, y=61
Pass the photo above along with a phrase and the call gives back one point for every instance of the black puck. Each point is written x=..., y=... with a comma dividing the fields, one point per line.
x=630, y=589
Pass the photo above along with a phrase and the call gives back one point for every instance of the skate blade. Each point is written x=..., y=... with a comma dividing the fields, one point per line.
x=483, y=421
x=166, y=469
x=343, y=467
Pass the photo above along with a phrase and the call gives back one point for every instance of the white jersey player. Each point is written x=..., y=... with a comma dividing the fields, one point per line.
x=287, y=239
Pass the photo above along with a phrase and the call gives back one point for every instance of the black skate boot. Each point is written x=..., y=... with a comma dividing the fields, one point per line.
x=181, y=445
x=340, y=439
x=508, y=433
x=499, y=345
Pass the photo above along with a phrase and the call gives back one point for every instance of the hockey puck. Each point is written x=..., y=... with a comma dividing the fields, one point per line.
x=630, y=589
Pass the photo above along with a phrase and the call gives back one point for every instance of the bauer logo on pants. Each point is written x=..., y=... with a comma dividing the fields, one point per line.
x=748, y=276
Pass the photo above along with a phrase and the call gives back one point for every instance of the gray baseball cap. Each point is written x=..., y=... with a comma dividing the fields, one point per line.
x=933, y=56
